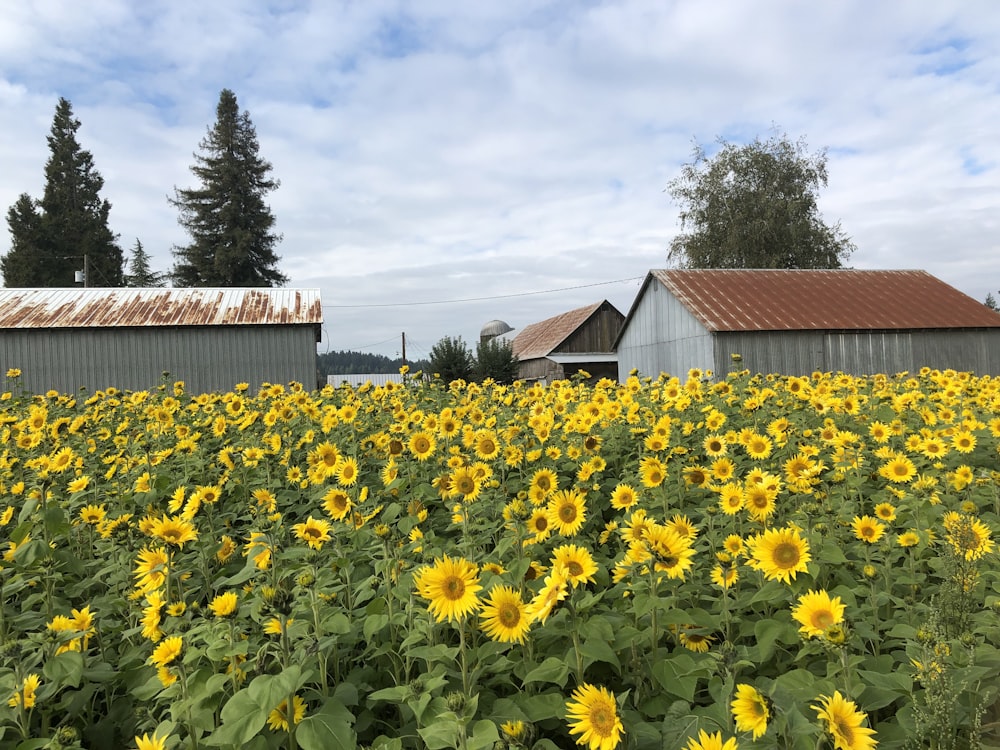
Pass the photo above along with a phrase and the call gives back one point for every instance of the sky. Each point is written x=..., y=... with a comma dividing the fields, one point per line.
x=444, y=164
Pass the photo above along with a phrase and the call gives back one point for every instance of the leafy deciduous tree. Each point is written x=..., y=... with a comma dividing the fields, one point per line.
x=754, y=206
x=230, y=225
x=495, y=359
x=451, y=359
x=51, y=237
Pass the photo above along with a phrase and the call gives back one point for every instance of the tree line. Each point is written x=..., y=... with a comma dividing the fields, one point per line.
x=229, y=225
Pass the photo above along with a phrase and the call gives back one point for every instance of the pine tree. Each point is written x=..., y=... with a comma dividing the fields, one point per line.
x=50, y=238
x=230, y=225
x=140, y=274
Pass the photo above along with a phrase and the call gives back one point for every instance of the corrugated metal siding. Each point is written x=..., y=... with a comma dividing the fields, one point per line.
x=662, y=336
x=360, y=378
x=787, y=352
x=868, y=353
x=539, y=368
x=974, y=351
x=205, y=358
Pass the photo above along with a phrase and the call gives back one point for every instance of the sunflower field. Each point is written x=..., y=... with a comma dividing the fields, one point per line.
x=702, y=563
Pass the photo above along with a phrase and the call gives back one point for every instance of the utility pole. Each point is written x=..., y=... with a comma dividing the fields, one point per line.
x=404, y=347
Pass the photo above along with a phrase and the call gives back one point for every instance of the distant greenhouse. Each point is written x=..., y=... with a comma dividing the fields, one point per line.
x=135, y=339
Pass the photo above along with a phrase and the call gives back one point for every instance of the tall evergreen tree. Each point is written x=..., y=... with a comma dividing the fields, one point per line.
x=139, y=272
x=50, y=244
x=230, y=225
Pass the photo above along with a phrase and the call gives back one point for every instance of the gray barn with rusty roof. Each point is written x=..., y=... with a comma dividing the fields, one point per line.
x=560, y=346
x=795, y=322
x=212, y=339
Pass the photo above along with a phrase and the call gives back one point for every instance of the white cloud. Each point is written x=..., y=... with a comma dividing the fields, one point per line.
x=442, y=150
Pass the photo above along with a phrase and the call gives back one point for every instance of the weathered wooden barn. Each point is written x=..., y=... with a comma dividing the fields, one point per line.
x=796, y=322
x=212, y=339
x=565, y=344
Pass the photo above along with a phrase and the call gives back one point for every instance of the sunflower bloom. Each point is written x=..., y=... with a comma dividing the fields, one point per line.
x=593, y=714
x=779, y=554
x=843, y=722
x=151, y=569
x=567, y=511
x=817, y=611
x=278, y=718
x=151, y=743
x=167, y=651
x=750, y=711
x=708, y=741
x=314, y=532
x=224, y=604
x=25, y=695
x=505, y=616
x=554, y=589
x=577, y=561
x=867, y=529
x=173, y=530
x=451, y=586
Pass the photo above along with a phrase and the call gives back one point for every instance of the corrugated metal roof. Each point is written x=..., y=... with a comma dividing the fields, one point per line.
x=130, y=308
x=842, y=299
x=538, y=339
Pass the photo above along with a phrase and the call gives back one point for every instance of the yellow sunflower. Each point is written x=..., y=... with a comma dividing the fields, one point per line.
x=224, y=605
x=313, y=531
x=816, y=611
x=758, y=447
x=151, y=568
x=567, y=511
x=337, y=504
x=623, y=497
x=898, y=469
x=867, y=529
x=652, y=471
x=708, y=741
x=843, y=722
x=554, y=589
x=486, y=445
x=156, y=742
x=577, y=562
x=278, y=718
x=173, y=530
x=347, y=472
x=779, y=553
x=593, y=714
x=25, y=695
x=167, y=651
x=750, y=710
x=539, y=526
x=451, y=586
x=505, y=616
x=464, y=483
x=672, y=552
x=421, y=445
x=725, y=577
x=731, y=498
x=93, y=514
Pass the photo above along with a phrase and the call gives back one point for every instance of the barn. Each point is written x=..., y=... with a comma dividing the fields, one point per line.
x=581, y=339
x=796, y=322
x=134, y=339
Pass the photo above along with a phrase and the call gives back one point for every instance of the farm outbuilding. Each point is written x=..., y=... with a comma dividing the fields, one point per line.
x=565, y=344
x=212, y=339
x=795, y=322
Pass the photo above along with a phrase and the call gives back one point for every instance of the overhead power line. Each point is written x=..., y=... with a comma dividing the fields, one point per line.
x=482, y=299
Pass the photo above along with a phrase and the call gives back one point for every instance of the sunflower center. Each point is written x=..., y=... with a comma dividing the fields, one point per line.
x=822, y=619
x=465, y=485
x=575, y=569
x=567, y=514
x=541, y=524
x=420, y=445
x=509, y=615
x=602, y=719
x=786, y=555
x=453, y=588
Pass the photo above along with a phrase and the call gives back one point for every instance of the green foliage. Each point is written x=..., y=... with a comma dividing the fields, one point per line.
x=495, y=359
x=451, y=359
x=991, y=302
x=230, y=225
x=341, y=362
x=754, y=206
x=50, y=237
x=140, y=274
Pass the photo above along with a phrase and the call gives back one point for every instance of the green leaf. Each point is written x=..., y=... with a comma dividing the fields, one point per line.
x=66, y=669
x=552, y=670
x=242, y=719
x=484, y=734
x=770, y=632
x=596, y=650
x=882, y=688
x=541, y=707
x=441, y=735
x=329, y=728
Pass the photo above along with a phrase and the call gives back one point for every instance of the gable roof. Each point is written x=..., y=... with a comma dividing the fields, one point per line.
x=129, y=307
x=539, y=339
x=841, y=299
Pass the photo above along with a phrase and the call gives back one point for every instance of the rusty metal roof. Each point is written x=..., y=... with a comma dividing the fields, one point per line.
x=842, y=299
x=539, y=339
x=127, y=307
